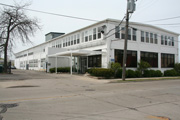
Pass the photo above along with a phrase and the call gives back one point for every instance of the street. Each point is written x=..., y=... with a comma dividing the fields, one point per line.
x=34, y=95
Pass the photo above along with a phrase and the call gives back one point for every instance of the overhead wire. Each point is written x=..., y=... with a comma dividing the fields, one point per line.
x=176, y=17
x=61, y=15
x=118, y=26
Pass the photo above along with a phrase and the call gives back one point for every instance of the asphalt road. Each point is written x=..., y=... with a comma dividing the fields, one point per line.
x=32, y=95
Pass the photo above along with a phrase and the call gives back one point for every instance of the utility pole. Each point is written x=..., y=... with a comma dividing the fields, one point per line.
x=130, y=9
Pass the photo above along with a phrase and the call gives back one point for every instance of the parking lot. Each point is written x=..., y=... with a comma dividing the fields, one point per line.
x=35, y=95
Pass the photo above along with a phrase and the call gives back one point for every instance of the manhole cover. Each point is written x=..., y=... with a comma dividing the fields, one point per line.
x=22, y=86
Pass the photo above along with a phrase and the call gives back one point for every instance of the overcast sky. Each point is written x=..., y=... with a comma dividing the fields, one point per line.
x=146, y=10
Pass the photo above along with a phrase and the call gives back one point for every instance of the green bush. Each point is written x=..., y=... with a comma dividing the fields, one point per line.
x=158, y=73
x=118, y=73
x=60, y=69
x=138, y=74
x=115, y=67
x=177, y=67
x=152, y=73
x=63, y=69
x=142, y=66
x=171, y=72
x=130, y=74
x=102, y=72
x=52, y=70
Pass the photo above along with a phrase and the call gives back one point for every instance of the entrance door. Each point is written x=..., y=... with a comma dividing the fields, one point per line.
x=83, y=61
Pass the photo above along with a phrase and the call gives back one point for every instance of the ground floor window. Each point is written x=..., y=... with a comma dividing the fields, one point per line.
x=167, y=60
x=131, y=58
x=150, y=57
x=94, y=61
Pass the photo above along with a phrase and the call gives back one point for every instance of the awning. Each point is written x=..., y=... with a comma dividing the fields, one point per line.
x=76, y=53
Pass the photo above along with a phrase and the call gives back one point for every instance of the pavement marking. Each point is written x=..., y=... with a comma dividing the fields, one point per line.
x=40, y=98
x=159, y=118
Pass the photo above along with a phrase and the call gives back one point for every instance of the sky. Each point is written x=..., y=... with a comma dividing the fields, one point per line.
x=146, y=10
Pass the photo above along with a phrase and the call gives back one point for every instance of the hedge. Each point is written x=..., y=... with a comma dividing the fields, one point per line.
x=130, y=74
x=60, y=69
x=101, y=72
x=171, y=72
x=152, y=73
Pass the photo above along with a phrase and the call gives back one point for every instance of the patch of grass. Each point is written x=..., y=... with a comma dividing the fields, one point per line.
x=144, y=80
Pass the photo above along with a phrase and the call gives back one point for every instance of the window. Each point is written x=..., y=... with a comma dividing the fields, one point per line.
x=74, y=39
x=99, y=32
x=69, y=39
x=150, y=57
x=94, y=61
x=167, y=60
x=78, y=39
x=86, y=36
x=172, y=41
x=122, y=33
x=165, y=40
x=147, y=37
x=82, y=37
x=129, y=34
x=43, y=62
x=90, y=35
x=151, y=37
x=134, y=34
x=30, y=53
x=169, y=41
x=117, y=35
x=94, y=34
x=162, y=40
x=66, y=42
x=155, y=38
x=131, y=58
x=142, y=36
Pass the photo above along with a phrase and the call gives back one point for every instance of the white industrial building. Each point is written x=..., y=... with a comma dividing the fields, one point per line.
x=101, y=43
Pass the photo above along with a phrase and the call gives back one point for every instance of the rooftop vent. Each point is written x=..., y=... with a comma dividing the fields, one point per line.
x=52, y=35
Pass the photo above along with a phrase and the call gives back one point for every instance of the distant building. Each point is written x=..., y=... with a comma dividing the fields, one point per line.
x=101, y=43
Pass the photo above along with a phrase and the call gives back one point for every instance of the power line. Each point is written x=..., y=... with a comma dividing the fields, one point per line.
x=68, y=16
x=118, y=25
x=163, y=19
x=169, y=24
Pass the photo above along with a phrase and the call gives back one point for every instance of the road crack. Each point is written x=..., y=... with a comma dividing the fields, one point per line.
x=4, y=108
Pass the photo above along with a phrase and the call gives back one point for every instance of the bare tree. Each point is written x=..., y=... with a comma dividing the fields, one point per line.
x=15, y=25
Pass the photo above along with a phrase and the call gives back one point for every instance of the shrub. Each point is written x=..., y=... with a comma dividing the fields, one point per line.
x=102, y=72
x=138, y=74
x=158, y=73
x=60, y=69
x=177, y=67
x=52, y=70
x=171, y=72
x=142, y=66
x=118, y=73
x=115, y=67
x=130, y=74
x=63, y=69
x=152, y=73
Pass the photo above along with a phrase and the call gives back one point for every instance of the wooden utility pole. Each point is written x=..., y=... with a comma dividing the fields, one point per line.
x=130, y=9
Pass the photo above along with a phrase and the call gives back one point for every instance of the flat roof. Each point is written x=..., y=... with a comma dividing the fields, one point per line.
x=103, y=21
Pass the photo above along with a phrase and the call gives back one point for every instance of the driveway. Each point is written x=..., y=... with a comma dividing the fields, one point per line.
x=34, y=95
